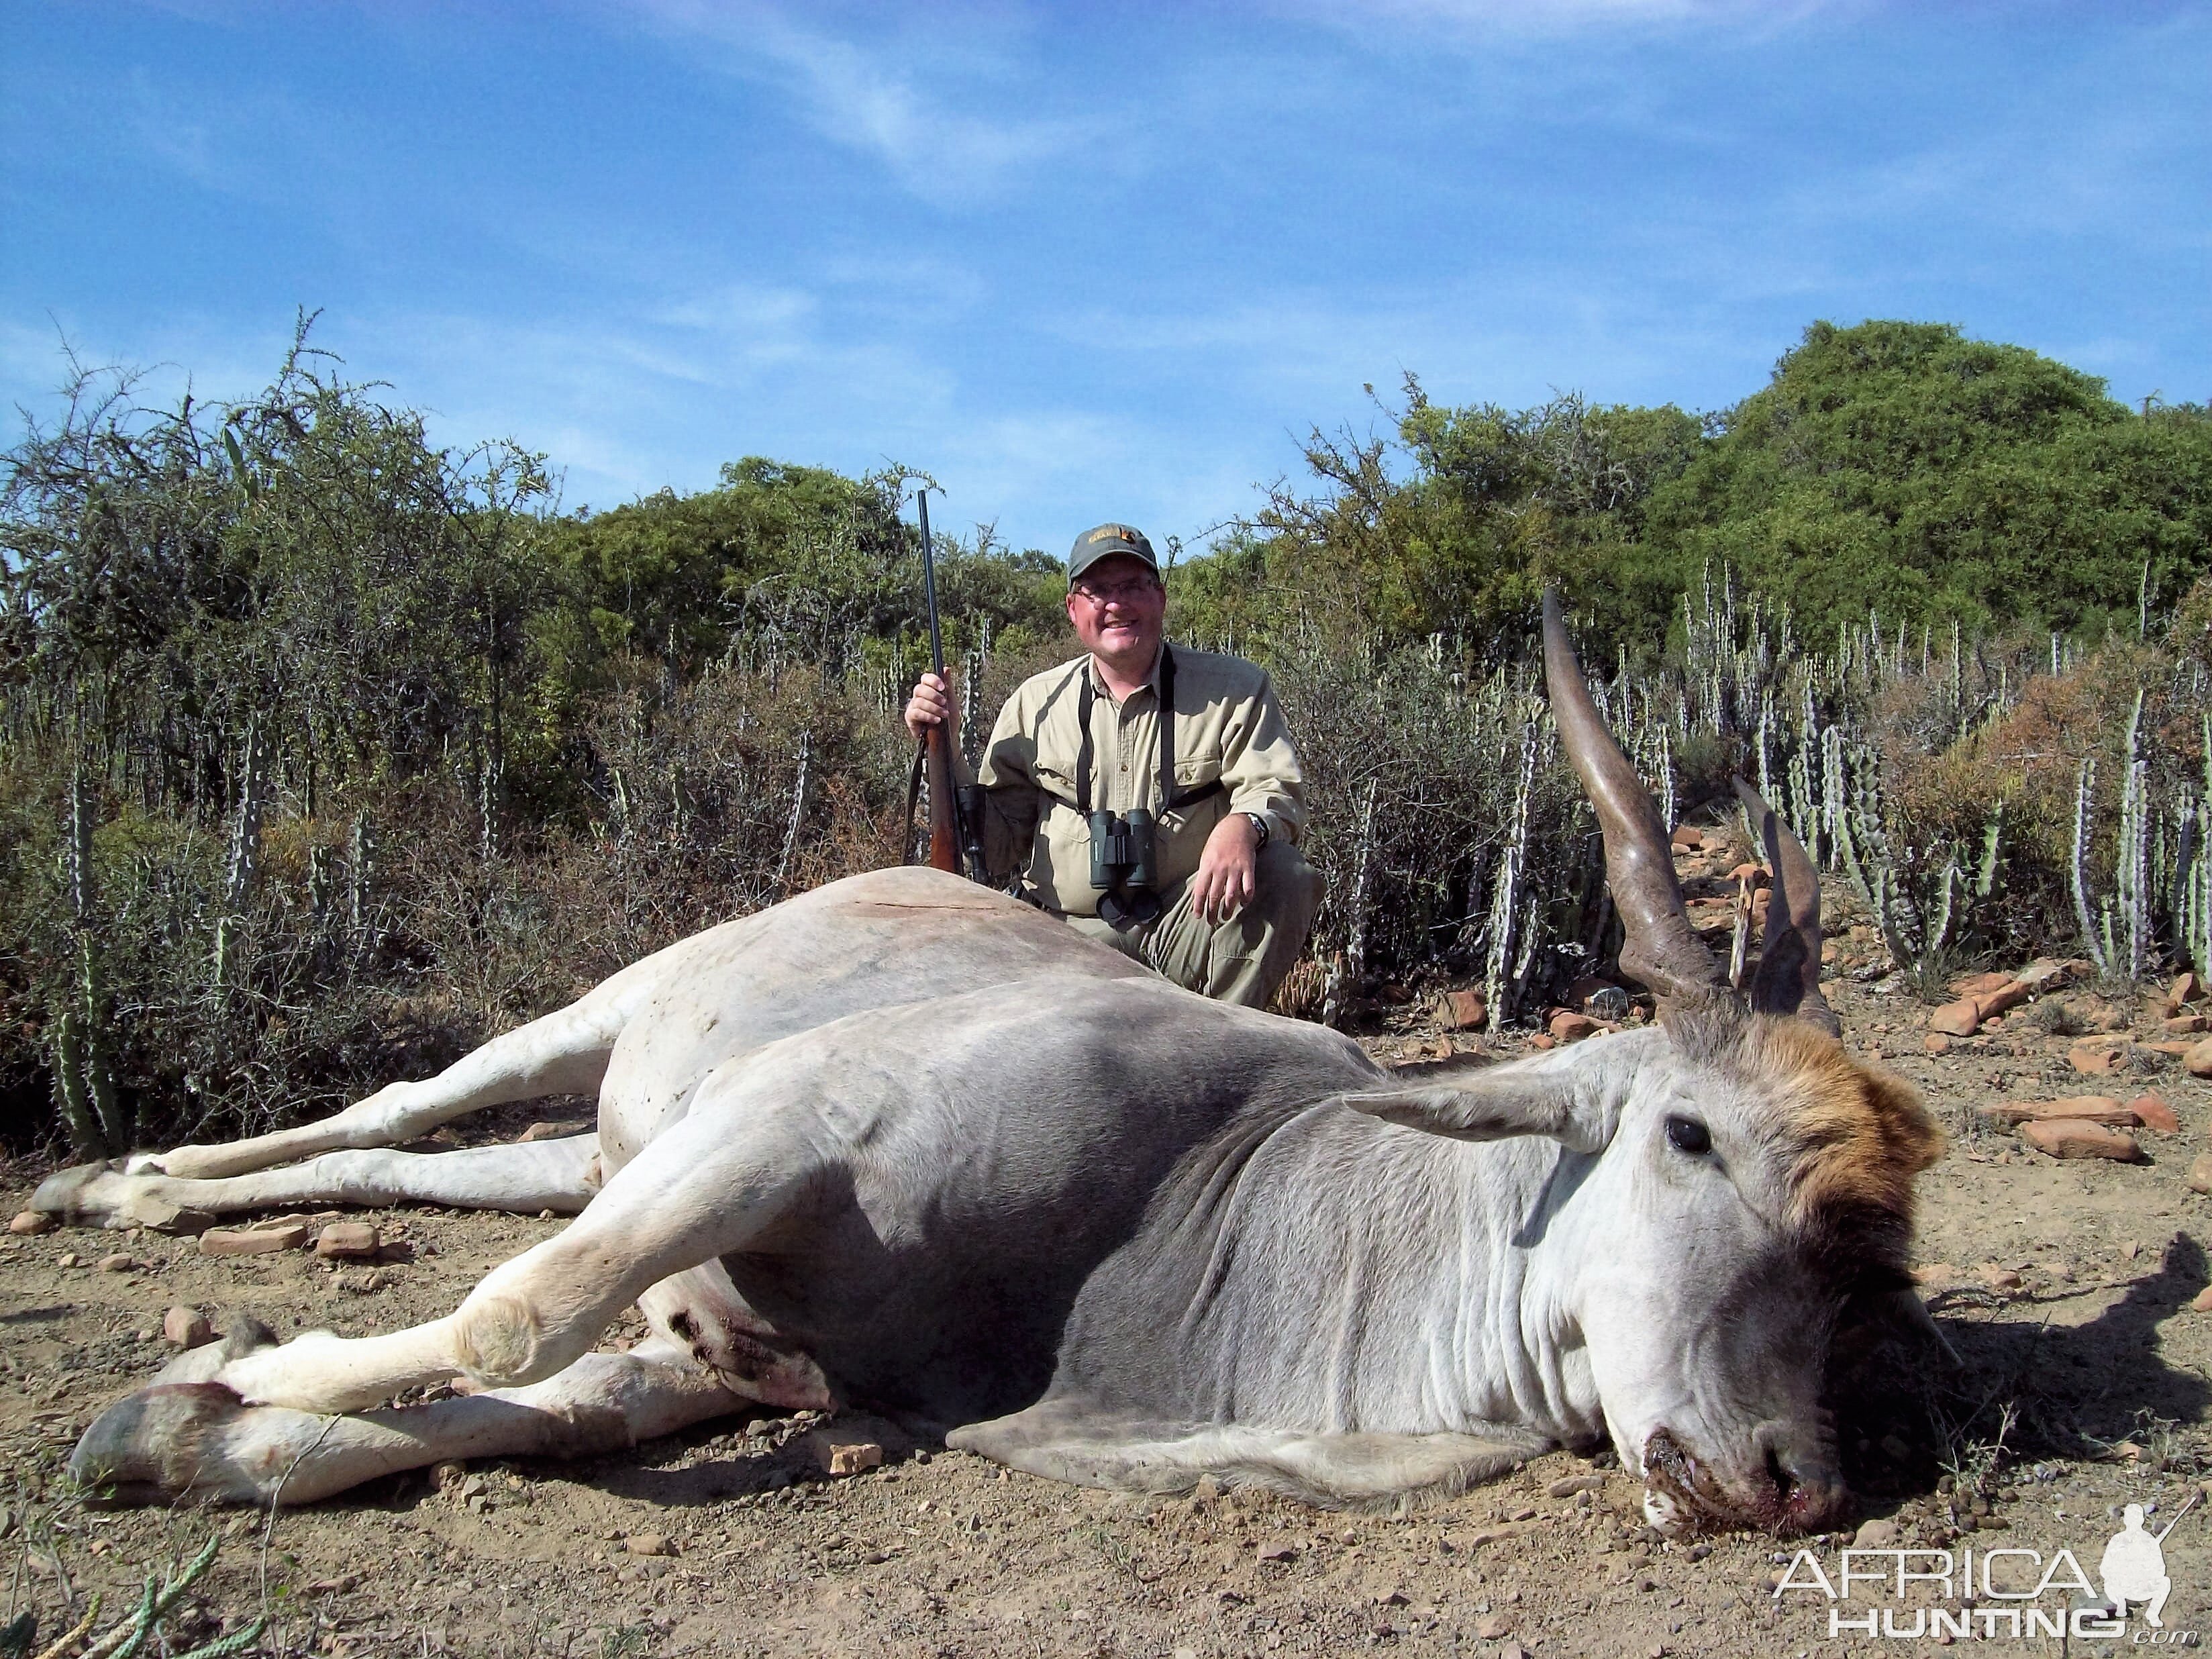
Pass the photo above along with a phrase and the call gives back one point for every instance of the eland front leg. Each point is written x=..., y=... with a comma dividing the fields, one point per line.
x=716, y=1184
x=184, y=1437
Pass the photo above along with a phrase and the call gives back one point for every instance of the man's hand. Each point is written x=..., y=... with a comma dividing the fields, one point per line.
x=930, y=705
x=1226, y=877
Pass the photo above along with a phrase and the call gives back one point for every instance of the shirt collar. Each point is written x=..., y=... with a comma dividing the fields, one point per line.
x=1152, y=680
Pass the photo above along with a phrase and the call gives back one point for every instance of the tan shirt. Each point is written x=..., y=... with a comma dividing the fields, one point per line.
x=1228, y=726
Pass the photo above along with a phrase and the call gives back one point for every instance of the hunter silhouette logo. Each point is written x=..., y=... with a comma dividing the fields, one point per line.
x=2007, y=1592
x=2133, y=1567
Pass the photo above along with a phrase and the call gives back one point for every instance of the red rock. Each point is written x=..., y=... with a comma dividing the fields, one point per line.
x=2199, y=1059
x=2044, y=974
x=28, y=1222
x=2178, y=1049
x=348, y=1240
x=2003, y=1000
x=186, y=1327
x=2188, y=988
x=2095, y=1058
x=1958, y=1019
x=1542, y=1040
x=2085, y=1108
x=1976, y=984
x=1998, y=1277
x=1462, y=1010
x=2066, y=1136
x=115, y=1264
x=1689, y=838
x=2200, y=1175
x=1567, y=1026
x=2201, y=1302
x=1936, y=1043
x=2153, y=1112
x=1754, y=873
x=2182, y=1025
x=250, y=1241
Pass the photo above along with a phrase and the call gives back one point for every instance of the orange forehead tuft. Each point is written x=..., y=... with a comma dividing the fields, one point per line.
x=1861, y=1133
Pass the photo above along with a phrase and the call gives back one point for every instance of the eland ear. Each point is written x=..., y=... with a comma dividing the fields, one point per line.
x=1573, y=1100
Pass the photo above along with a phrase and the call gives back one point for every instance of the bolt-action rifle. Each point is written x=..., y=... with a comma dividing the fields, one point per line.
x=956, y=814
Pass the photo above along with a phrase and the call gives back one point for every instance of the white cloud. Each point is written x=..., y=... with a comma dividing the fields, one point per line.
x=933, y=142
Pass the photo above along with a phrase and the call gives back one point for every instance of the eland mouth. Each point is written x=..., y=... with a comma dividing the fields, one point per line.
x=1683, y=1495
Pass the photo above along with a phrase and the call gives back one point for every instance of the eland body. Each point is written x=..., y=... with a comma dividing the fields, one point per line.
x=1101, y=1229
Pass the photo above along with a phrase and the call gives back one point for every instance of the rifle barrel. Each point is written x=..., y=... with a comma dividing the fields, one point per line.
x=929, y=587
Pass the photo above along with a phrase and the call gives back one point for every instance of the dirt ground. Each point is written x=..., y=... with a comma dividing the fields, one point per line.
x=2066, y=1287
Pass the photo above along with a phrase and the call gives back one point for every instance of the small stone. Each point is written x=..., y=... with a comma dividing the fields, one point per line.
x=1754, y=873
x=2189, y=988
x=448, y=1474
x=2153, y=1112
x=1990, y=1004
x=559, y=1130
x=1934, y=1272
x=1543, y=1040
x=2201, y=1302
x=648, y=1543
x=348, y=1241
x=1955, y=1019
x=1462, y=1010
x=1567, y=1026
x=1278, y=1552
x=2182, y=1025
x=1936, y=1043
x=68, y=1259
x=1689, y=838
x=2199, y=1059
x=854, y=1456
x=186, y=1327
x=1876, y=1535
x=2000, y=1278
x=2074, y=1138
x=250, y=1241
x=116, y=1264
x=28, y=1222
x=1491, y=1628
x=2200, y=1175
x=1568, y=1486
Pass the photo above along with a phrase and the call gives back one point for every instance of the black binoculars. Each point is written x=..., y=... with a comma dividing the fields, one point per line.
x=1121, y=850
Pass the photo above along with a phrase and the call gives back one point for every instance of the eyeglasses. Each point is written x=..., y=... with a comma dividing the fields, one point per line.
x=1128, y=592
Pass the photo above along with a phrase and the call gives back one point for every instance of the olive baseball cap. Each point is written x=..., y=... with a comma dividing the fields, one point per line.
x=1104, y=542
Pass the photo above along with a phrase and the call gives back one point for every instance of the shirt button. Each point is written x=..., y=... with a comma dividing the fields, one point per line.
x=1125, y=766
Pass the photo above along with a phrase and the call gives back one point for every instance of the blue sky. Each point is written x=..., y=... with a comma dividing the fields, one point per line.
x=1082, y=261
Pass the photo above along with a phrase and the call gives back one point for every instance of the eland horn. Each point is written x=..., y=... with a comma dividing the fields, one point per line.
x=1788, y=978
x=1660, y=950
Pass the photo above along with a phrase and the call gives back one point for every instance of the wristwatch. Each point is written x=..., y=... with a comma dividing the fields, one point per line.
x=1259, y=823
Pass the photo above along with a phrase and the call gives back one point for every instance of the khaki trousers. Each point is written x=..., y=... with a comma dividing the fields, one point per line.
x=1241, y=960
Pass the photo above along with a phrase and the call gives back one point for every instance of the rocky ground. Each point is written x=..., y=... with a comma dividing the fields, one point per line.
x=2065, y=1285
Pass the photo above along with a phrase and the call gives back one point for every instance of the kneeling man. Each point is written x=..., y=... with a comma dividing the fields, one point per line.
x=1175, y=840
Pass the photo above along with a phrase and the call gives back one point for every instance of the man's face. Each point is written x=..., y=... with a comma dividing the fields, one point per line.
x=1118, y=609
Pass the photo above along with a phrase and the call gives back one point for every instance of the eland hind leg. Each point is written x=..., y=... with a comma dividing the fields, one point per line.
x=527, y=1178
x=564, y=1052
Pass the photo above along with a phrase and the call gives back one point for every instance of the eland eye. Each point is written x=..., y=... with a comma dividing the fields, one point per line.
x=1687, y=1135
